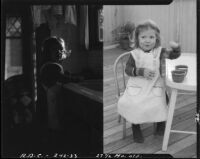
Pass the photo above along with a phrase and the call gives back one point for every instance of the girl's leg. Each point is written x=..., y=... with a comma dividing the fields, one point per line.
x=167, y=98
x=160, y=126
x=137, y=134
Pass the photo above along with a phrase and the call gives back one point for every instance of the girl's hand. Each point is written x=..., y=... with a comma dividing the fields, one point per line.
x=149, y=74
x=173, y=44
x=175, y=50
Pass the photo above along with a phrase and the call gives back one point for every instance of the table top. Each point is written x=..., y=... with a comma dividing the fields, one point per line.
x=91, y=94
x=190, y=81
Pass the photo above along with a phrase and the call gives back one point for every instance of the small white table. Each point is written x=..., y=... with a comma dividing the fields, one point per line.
x=189, y=84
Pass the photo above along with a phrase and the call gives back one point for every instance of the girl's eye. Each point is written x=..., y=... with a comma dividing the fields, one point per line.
x=152, y=37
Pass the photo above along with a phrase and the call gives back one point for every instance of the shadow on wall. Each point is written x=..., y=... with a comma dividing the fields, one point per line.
x=78, y=59
x=82, y=62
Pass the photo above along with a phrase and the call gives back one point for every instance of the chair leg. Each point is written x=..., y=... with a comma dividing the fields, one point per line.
x=124, y=128
x=119, y=118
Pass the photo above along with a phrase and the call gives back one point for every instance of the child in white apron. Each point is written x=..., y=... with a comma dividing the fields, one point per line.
x=144, y=99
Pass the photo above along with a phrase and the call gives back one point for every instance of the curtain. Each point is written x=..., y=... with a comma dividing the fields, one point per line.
x=68, y=14
x=84, y=27
x=41, y=14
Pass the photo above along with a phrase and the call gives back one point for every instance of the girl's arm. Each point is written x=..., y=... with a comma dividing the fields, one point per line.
x=51, y=73
x=173, y=53
x=72, y=77
x=131, y=69
x=130, y=66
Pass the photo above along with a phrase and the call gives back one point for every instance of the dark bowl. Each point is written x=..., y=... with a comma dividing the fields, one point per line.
x=178, y=75
x=182, y=67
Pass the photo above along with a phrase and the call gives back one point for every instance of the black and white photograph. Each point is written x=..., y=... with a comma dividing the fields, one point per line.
x=52, y=78
x=99, y=78
x=150, y=100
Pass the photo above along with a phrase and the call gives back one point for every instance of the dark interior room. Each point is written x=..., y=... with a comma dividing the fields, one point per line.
x=25, y=26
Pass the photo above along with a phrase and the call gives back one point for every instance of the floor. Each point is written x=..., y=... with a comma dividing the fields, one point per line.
x=180, y=145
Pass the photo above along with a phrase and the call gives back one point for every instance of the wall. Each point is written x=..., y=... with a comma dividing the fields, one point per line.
x=177, y=21
x=113, y=17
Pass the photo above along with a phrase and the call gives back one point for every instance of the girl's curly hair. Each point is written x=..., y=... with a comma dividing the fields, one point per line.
x=146, y=25
x=48, y=45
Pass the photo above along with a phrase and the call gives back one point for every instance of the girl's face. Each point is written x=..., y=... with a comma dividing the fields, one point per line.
x=147, y=39
x=58, y=52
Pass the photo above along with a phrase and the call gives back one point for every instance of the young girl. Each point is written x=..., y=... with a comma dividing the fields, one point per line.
x=144, y=99
x=51, y=70
x=50, y=95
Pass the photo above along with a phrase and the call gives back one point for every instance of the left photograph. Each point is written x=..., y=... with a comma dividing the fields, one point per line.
x=51, y=79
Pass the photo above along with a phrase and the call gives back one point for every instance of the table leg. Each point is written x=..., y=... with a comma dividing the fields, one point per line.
x=169, y=119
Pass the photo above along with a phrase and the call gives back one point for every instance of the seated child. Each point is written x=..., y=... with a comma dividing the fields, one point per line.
x=144, y=99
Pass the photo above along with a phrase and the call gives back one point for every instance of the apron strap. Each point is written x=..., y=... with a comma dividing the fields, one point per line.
x=156, y=53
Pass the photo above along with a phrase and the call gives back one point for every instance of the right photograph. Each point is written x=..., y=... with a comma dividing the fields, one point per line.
x=150, y=81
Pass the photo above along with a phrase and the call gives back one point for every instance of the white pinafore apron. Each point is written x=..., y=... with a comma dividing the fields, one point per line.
x=144, y=100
